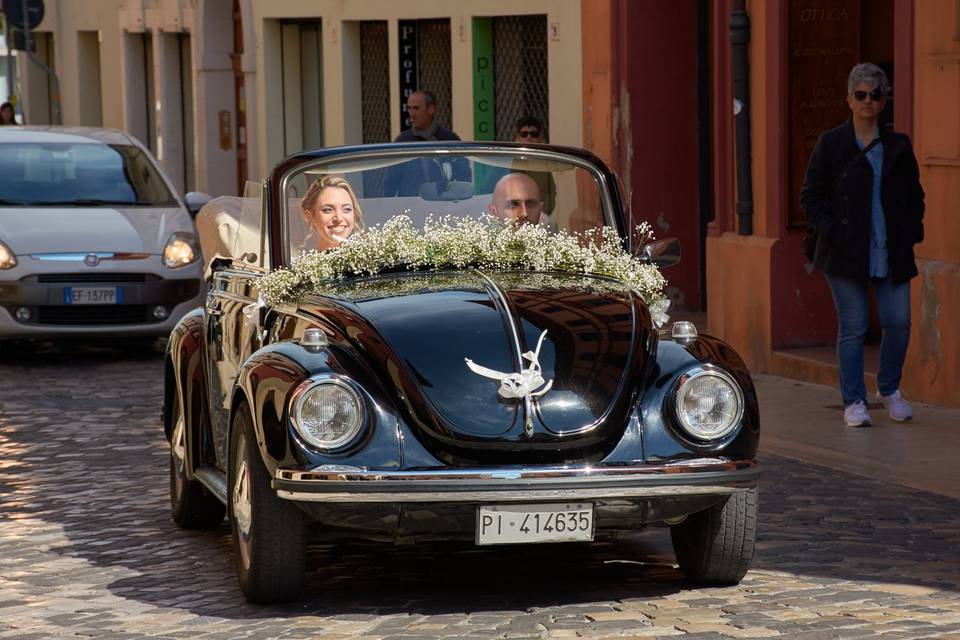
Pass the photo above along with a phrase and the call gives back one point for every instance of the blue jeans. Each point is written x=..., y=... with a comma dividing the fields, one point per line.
x=853, y=313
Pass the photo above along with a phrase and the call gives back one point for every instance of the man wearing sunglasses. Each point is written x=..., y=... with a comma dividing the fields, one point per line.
x=529, y=129
x=862, y=195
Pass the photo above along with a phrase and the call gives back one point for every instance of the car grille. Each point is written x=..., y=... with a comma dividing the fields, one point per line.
x=94, y=314
x=103, y=277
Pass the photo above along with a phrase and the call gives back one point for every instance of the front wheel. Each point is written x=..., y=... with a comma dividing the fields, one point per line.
x=715, y=546
x=268, y=532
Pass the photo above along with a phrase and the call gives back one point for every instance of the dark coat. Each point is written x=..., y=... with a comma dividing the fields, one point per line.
x=441, y=133
x=837, y=200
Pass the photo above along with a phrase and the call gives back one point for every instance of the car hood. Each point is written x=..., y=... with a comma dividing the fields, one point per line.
x=34, y=230
x=595, y=337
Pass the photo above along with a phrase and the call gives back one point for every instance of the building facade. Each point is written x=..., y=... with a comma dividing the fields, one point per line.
x=667, y=72
x=222, y=89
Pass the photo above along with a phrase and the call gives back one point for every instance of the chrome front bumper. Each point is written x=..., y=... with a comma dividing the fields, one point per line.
x=335, y=483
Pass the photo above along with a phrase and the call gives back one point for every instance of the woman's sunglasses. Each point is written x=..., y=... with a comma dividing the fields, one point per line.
x=875, y=95
x=528, y=133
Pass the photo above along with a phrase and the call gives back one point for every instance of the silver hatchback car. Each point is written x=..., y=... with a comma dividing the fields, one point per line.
x=94, y=240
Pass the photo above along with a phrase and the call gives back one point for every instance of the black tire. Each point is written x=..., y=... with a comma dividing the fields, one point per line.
x=270, y=547
x=715, y=546
x=192, y=506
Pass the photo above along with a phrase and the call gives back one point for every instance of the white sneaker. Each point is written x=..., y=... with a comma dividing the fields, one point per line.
x=855, y=415
x=898, y=408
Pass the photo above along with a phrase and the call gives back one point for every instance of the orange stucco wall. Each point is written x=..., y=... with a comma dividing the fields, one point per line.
x=932, y=372
x=738, y=288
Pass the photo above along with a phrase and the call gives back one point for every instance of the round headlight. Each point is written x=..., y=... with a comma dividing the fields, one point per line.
x=7, y=259
x=328, y=414
x=709, y=404
x=180, y=250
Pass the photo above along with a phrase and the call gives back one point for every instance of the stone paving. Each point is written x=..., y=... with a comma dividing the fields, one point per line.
x=88, y=549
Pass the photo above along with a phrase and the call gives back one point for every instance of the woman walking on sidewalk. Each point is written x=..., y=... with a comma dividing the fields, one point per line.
x=862, y=195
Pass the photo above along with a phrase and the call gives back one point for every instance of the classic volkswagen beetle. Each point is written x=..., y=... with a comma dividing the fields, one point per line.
x=481, y=358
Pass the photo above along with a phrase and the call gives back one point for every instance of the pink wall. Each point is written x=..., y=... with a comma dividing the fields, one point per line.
x=658, y=128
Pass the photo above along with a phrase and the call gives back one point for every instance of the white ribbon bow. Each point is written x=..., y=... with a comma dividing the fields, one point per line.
x=518, y=385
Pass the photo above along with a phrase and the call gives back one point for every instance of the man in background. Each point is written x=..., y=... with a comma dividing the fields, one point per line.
x=406, y=179
x=422, y=109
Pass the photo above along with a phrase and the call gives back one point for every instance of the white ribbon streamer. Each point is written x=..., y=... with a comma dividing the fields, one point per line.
x=518, y=385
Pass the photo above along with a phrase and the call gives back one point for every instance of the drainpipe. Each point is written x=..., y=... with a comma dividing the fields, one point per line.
x=739, y=40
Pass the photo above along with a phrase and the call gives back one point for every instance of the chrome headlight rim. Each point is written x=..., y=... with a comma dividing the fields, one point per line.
x=298, y=398
x=719, y=439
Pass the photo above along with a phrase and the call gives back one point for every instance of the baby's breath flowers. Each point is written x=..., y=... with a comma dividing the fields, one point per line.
x=456, y=243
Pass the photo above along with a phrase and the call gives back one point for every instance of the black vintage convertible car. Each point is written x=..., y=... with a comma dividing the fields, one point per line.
x=481, y=355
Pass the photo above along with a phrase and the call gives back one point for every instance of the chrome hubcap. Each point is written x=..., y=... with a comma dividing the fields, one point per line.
x=241, y=506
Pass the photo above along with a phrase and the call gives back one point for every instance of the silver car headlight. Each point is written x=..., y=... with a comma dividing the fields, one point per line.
x=7, y=259
x=709, y=404
x=327, y=413
x=181, y=250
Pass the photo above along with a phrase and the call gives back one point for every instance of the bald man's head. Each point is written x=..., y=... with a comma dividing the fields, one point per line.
x=516, y=197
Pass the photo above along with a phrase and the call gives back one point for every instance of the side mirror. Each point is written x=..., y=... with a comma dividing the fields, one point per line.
x=195, y=201
x=663, y=253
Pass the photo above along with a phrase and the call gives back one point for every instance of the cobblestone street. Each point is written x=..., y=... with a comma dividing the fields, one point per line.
x=89, y=550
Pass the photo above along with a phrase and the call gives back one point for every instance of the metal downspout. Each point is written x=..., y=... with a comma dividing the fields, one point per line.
x=739, y=41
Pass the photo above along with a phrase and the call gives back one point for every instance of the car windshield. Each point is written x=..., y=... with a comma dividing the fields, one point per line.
x=542, y=188
x=83, y=174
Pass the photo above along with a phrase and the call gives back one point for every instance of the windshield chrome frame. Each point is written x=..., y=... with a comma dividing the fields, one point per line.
x=602, y=184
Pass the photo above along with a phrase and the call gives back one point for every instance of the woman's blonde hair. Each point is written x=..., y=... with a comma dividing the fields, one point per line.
x=313, y=193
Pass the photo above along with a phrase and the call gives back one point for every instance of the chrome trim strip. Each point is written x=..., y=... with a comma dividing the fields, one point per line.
x=347, y=484
x=78, y=257
x=517, y=355
x=531, y=495
x=214, y=480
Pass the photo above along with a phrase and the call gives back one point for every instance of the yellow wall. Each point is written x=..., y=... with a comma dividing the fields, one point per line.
x=563, y=50
x=64, y=19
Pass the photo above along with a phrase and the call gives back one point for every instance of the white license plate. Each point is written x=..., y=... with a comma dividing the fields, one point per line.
x=520, y=523
x=93, y=295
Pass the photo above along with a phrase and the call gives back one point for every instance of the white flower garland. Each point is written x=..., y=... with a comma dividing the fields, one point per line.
x=484, y=243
